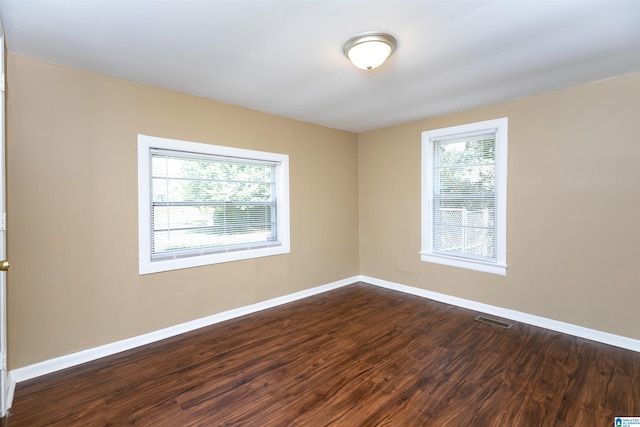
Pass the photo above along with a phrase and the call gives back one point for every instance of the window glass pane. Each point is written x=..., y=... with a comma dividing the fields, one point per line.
x=207, y=204
x=464, y=197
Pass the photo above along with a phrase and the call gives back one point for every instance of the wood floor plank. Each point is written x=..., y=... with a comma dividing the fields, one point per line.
x=356, y=356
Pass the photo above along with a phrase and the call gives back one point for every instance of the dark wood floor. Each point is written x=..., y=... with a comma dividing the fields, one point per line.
x=356, y=356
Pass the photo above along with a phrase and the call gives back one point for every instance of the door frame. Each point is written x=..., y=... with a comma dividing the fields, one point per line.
x=4, y=389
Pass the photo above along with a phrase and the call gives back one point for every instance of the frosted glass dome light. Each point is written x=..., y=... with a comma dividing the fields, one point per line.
x=369, y=50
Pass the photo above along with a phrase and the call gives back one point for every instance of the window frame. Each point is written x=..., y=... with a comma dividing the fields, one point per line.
x=147, y=143
x=427, y=254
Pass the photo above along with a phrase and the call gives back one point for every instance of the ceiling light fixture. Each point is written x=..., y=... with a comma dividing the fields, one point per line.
x=370, y=50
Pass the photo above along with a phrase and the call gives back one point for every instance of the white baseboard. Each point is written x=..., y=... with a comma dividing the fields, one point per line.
x=543, y=322
x=52, y=365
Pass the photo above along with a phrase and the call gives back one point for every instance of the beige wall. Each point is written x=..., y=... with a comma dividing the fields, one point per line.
x=72, y=209
x=573, y=233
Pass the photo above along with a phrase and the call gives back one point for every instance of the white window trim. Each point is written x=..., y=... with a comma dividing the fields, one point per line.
x=146, y=266
x=426, y=254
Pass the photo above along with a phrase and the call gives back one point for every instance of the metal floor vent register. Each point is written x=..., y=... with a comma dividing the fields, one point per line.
x=494, y=322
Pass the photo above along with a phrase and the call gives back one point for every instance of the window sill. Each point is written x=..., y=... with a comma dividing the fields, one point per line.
x=147, y=267
x=465, y=263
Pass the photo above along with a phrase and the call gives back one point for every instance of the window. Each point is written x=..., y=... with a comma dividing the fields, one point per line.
x=203, y=204
x=464, y=190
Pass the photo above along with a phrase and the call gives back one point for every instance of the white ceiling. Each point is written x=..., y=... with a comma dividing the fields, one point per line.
x=285, y=57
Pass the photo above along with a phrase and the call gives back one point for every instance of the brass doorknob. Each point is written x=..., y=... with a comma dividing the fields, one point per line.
x=4, y=265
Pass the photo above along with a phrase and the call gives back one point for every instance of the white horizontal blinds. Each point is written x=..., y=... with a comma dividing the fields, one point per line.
x=464, y=199
x=207, y=204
